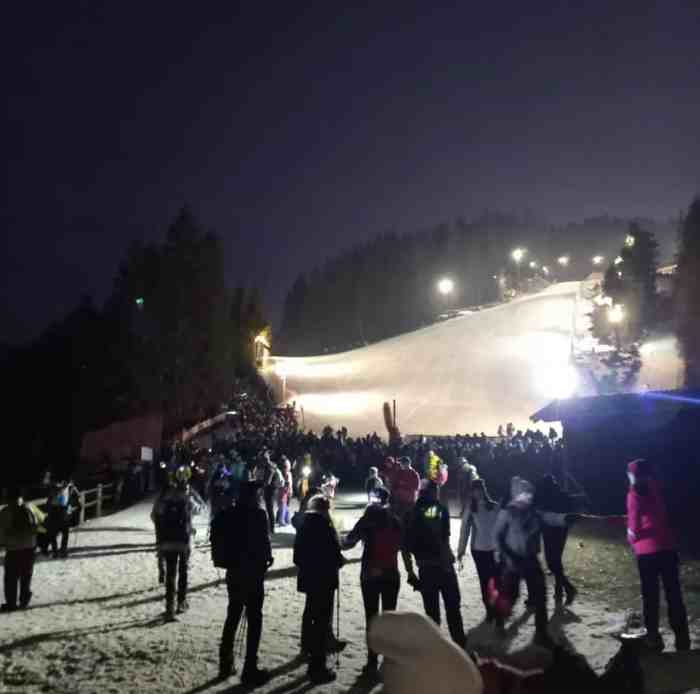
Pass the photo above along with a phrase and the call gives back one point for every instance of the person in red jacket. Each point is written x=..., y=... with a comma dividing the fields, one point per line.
x=654, y=544
x=405, y=485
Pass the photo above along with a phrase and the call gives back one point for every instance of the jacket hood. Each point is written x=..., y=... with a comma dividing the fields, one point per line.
x=637, y=466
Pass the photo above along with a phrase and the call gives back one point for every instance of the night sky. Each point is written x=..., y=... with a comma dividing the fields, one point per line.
x=294, y=133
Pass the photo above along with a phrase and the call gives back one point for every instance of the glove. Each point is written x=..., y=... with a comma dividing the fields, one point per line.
x=270, y=562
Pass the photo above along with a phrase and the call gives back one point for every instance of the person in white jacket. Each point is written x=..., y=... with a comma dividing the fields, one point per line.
x=478, y=523
x=518, y=535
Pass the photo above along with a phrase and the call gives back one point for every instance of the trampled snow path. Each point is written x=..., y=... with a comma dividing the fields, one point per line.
x=95, y=623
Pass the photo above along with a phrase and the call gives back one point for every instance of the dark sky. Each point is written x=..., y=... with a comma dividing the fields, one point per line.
x=295, y=132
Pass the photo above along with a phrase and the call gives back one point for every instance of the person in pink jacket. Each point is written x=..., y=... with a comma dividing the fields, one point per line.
x=654, y=544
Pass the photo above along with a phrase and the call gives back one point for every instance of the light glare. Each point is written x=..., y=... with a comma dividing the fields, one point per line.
x=446, y=286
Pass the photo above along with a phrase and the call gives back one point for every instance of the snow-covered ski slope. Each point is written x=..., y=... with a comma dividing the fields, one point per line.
x=466, y=374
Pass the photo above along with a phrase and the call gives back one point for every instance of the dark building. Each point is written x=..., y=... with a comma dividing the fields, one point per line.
x=604, y=433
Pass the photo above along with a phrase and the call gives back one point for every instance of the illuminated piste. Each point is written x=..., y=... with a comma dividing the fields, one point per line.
x=470, y=373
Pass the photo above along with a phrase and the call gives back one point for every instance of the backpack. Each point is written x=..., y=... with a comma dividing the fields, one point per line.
x=23, y=521
x=221, y=554
x=176, y=520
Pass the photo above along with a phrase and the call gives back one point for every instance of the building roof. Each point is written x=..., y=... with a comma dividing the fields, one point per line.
x=621, y=404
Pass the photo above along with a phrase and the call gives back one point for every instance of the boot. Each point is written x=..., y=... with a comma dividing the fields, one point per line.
x=169, y=612
x=226, y=668
x=25, y=603
x=321, y=675
x=544, y=640
x=254, y=676
x=654, y=642
x=371, y=669
x=682, y=640
x=571, y=593
x=182, y=607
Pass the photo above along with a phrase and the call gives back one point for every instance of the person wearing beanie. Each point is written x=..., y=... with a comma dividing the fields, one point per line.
x=518, y=536
x=379, y=530
x=318, y=558
x=248, y=557
x=654, y=544
x=427, y=538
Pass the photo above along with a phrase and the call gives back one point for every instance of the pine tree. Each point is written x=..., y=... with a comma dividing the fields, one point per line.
x=687, y=294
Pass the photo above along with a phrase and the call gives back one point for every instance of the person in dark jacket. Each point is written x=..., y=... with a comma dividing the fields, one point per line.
x=551, y=498
x=318, y=558
x=248, y=558
x=172, y=516
x=427, y=538
x=380, y=532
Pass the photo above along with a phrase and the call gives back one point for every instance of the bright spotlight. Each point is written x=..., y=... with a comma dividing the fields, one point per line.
x=616, y=313
x=518, y=254
x=598, y=259
x=629, y=240
x=533, y=264
x=446, y=286
x=558, y=381
x=618, y=260
x=545, y=269
x=563, y=260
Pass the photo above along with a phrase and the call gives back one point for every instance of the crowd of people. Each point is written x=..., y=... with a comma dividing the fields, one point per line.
x=406, y=520
x=249, y=477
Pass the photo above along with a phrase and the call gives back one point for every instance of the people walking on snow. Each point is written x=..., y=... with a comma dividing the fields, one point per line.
x=427, y=538
x=317, y=556
x=240, y=537
x=284, y=492
x=380, y=532
x=517, y=535
x=550, y=497
x=20, y=523
x=64, y=500
x=172, y=515
x=654, y=544
x=478, y=523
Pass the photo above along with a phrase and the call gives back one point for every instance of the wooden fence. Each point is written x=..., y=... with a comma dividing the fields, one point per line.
x=89, y=498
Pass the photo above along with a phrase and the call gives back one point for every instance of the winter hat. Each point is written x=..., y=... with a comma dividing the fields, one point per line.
x=420, y=658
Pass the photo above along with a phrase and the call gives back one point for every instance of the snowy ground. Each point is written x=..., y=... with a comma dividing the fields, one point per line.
x=95, y=623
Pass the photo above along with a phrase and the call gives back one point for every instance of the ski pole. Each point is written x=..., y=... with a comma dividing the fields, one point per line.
x=337, y=626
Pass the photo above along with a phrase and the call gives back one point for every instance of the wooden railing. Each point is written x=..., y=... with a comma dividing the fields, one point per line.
x=89, y=498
